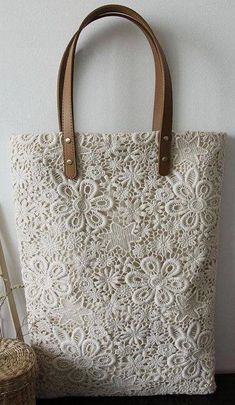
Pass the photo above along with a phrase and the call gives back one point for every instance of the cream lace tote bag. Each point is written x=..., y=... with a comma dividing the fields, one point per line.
x=118, y=244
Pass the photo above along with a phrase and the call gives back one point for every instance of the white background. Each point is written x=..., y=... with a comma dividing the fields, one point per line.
x=114, y=91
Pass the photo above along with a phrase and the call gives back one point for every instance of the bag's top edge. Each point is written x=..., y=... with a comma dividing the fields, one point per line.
x=187, y=132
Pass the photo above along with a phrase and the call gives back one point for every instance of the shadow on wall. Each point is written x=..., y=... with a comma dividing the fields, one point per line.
x=225, y=319
x=213, y=91
x=15, y=279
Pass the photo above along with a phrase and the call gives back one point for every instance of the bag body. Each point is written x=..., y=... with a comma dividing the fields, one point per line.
x=119, y=263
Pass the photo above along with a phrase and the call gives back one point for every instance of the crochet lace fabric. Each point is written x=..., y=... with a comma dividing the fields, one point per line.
x=119, y=266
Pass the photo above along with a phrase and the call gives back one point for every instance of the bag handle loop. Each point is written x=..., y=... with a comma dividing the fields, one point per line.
x=162, y=114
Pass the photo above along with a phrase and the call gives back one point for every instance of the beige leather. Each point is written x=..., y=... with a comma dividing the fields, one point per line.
x=162, y=114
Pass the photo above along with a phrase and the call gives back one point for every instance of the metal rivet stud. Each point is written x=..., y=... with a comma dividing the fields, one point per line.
x=67, y=140
x=166, y=138
x=164, y=158
x=69, y=162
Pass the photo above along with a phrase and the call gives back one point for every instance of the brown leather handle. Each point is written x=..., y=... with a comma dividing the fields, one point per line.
x=162, y=117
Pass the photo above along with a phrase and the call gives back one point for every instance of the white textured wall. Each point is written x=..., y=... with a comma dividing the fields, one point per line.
x=114, y=91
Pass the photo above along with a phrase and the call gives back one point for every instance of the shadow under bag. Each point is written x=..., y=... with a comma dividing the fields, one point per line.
x=118, y=238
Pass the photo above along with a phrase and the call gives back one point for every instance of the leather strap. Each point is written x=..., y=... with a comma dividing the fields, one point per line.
x=162, y=115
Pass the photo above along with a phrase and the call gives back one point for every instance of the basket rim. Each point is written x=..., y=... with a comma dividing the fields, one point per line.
x=23, y=376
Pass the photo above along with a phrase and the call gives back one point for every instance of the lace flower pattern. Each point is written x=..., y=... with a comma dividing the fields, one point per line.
x=119, y=264
x=195, y=201
x=78, y=205
x=46, y=283
x=193, y=351
x=155, y=282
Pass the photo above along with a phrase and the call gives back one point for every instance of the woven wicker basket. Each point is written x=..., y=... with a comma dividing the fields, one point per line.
x=18, y=370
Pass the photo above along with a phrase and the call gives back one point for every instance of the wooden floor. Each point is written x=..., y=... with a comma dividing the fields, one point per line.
x=225, y=395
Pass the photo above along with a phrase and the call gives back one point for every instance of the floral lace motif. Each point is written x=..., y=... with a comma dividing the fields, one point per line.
x=160, y=284
x=119, y=265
